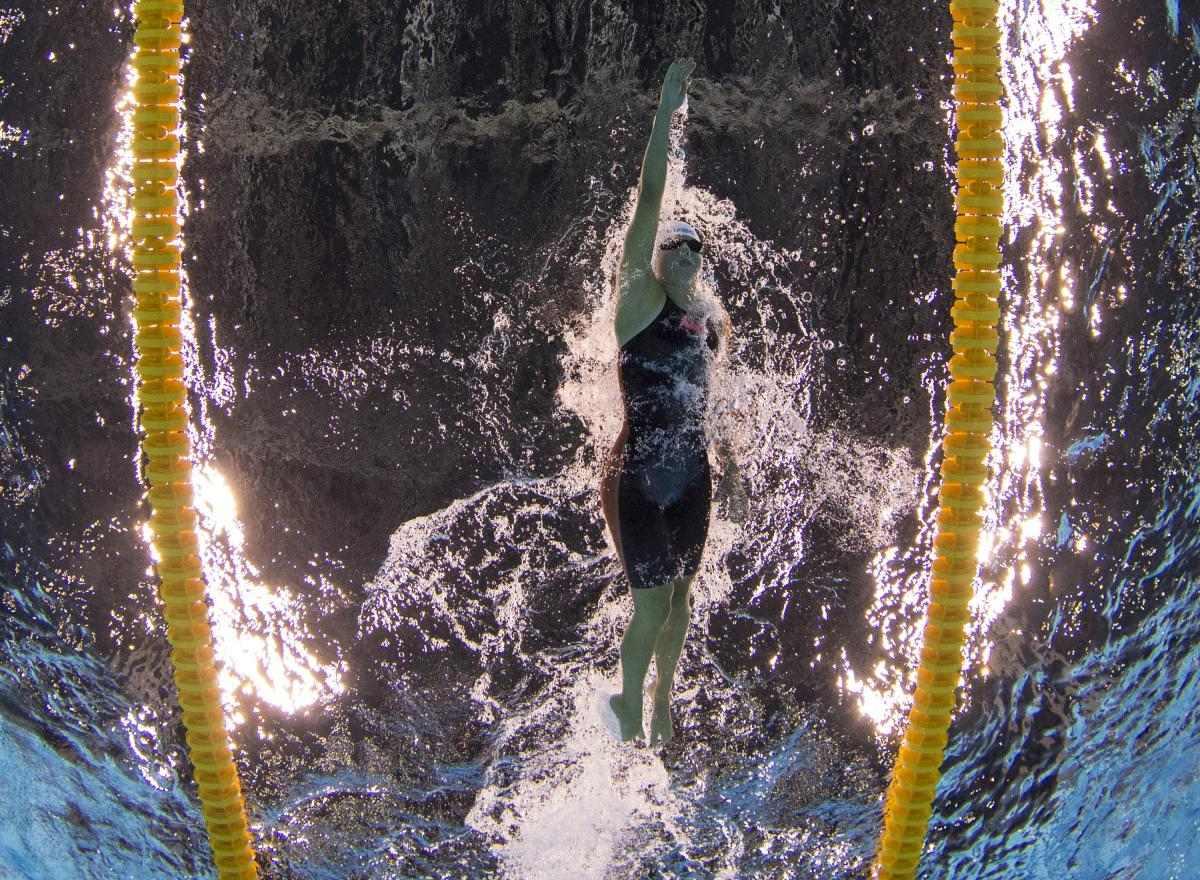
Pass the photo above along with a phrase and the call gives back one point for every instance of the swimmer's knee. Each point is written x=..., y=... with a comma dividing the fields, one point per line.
x=682, y=593
x=654, y=603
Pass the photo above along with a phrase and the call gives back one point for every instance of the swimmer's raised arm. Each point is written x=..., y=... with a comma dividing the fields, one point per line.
x=639, y=297
x=639, y=240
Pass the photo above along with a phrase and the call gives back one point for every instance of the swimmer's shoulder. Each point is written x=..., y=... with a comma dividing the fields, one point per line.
x=640, y=300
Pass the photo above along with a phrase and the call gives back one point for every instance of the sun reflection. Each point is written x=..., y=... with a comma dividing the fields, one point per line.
x=1102, y=151
x=1037, y=78
x=259, y=629
x=882, y=706
x=214, y=499
x=987, y=540
x=1068, y=85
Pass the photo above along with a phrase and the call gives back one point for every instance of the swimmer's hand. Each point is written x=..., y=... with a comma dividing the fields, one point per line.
x=675, y=84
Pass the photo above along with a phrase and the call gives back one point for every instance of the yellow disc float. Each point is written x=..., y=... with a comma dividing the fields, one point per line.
x=969, y=399
x=165, y=445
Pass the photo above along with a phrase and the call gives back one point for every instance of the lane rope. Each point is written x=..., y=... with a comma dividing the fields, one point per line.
x=969, y=398
x=165, y=446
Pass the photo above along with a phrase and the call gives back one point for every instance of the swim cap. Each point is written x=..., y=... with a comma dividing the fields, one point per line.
x=677, y=229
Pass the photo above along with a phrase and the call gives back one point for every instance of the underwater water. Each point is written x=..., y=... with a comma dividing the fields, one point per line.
x=402, y=223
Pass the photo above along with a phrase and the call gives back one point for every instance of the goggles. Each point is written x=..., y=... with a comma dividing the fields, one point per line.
x=672, y=243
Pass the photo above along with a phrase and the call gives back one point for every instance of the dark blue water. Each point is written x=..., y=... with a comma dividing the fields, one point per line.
x=401, y=225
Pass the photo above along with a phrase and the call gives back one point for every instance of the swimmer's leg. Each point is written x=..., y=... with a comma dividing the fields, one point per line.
x=666, y=658
x=650, y=610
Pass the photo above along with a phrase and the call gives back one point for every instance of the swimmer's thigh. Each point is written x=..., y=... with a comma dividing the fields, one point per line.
x=645, y=538
x=687, y=524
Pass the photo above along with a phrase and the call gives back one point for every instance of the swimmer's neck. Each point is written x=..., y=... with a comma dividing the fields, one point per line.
x=687, y=298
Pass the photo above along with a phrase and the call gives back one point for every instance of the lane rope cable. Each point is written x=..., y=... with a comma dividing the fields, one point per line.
x=969, y=399
x=161, y=396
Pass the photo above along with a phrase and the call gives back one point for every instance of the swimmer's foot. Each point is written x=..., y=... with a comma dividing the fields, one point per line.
x=662, y=731
x=630, y=718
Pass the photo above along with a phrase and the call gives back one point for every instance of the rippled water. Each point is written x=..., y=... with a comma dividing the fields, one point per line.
x=400, y=239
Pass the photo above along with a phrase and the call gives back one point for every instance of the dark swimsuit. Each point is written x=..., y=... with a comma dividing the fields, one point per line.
x=657, y=491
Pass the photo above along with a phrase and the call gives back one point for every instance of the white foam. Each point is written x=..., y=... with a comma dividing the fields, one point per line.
x=577, y=805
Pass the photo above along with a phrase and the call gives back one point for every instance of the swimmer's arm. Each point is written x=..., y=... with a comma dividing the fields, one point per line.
x=639, y=239
x=639, y=299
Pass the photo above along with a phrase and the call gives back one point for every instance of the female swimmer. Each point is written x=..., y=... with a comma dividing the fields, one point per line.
x=657, y=487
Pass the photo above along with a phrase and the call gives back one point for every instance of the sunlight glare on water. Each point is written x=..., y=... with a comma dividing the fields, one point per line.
x=259, y=634
x=1032, y=311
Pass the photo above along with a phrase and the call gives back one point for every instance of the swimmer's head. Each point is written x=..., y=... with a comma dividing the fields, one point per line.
x=677, y=256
